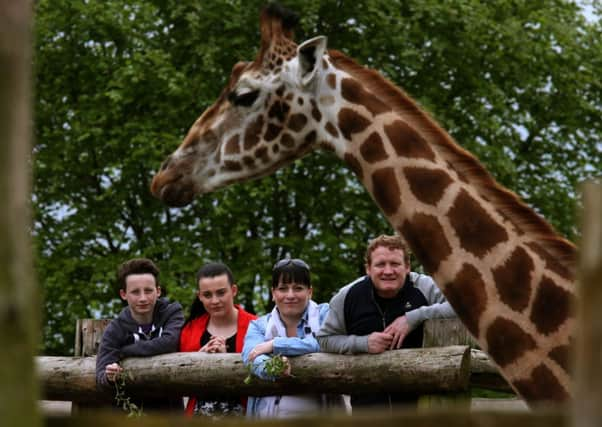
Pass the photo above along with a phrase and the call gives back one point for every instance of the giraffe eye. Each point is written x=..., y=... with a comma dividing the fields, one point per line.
x=243, y=100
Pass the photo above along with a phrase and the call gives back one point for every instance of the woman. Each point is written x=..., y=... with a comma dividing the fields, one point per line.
x=215, y=325
x=287, y=331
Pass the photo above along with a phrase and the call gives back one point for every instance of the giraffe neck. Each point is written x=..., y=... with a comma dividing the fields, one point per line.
x=506, y=273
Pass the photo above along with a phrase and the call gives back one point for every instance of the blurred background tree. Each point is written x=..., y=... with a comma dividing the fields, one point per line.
x=118, y=84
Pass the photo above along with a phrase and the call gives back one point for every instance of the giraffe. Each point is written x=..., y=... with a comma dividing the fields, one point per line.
x=507, y=274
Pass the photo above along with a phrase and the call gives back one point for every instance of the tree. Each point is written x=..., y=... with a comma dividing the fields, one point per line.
x=119, y=83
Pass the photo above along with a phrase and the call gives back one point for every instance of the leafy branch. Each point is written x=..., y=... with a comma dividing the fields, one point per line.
x=274, y=367
x=122, y=399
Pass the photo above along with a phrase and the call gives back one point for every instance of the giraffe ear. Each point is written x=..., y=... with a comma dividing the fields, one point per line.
x=309, y=53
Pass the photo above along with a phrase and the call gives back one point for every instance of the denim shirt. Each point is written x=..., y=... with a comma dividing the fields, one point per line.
x=305, y=342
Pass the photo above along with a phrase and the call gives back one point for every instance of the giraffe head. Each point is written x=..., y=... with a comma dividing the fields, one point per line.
x=260, y=122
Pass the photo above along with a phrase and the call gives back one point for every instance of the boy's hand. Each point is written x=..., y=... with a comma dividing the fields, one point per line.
x=112, y=371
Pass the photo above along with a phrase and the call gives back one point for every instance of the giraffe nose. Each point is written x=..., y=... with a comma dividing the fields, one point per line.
x=166, y=163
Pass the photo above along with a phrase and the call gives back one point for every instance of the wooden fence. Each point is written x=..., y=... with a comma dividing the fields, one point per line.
x=445, y=366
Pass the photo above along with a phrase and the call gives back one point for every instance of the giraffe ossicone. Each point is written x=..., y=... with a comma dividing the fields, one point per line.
x=505, y=271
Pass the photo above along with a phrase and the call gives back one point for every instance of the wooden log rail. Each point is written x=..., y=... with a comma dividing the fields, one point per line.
x=422, y=370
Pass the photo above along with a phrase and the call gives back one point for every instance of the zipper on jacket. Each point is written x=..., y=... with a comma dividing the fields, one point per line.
x=383, y=317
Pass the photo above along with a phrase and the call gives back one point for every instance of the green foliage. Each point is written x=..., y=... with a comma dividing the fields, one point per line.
x=274, y=367
x=123, y=400
x=118, y=83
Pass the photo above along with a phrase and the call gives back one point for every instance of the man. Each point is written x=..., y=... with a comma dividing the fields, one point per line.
x=383, y=310
x=148, y=326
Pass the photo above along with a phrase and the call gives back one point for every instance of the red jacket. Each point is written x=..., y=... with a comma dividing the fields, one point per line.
x=190, y=340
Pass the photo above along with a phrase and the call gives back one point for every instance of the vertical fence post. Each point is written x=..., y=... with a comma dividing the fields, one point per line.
x=587, y=406
x=19, y=305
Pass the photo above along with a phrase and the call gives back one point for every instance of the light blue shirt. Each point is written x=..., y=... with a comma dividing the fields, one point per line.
x=305, y=342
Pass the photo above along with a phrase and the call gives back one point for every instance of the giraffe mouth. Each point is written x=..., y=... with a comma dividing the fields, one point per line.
x=173, y=189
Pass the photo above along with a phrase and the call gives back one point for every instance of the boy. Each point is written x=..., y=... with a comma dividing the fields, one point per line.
x=148, y=326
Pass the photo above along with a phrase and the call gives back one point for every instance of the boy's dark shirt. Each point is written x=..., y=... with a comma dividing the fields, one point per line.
x=124, y=338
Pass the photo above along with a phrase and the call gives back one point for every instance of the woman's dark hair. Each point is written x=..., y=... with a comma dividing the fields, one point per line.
x=211, y=269
x=291, y=271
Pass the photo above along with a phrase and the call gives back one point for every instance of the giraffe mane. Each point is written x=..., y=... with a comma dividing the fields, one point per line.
x=463, y=162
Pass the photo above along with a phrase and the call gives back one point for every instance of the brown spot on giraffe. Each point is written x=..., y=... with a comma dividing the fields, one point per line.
x=385, y=190
x=232, y=145
x=407, y=142
x=252, y=133
x=513, y=279
x=324, y=64
x=353, y=92
x=326, y=146
x=249, y=161
x=427, y=239
x=272, y=132
x=232, y=166
x=355, y=165
x=467, y=292
x=551, y=264
x=300, y=101
x=372, y=149
x=279, y=110
x=427, y=185
x=331, y=129
x=551, y=306
x=507, y=341
x=542, y=385
x=351, y=122
x=297, y=122
x=280, y=90
x=561, y=355
x=287, y=140
x=308, y=140
x=315, y=111
x=331, y=80
x=477, y=231
x=262, y=153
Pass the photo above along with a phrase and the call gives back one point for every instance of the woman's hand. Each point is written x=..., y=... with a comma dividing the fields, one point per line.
x=263, y=348
x=215, y=345
x=287, y=370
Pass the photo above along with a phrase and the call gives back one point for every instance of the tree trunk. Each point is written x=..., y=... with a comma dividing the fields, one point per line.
x=431, y=370
x=18, y=296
